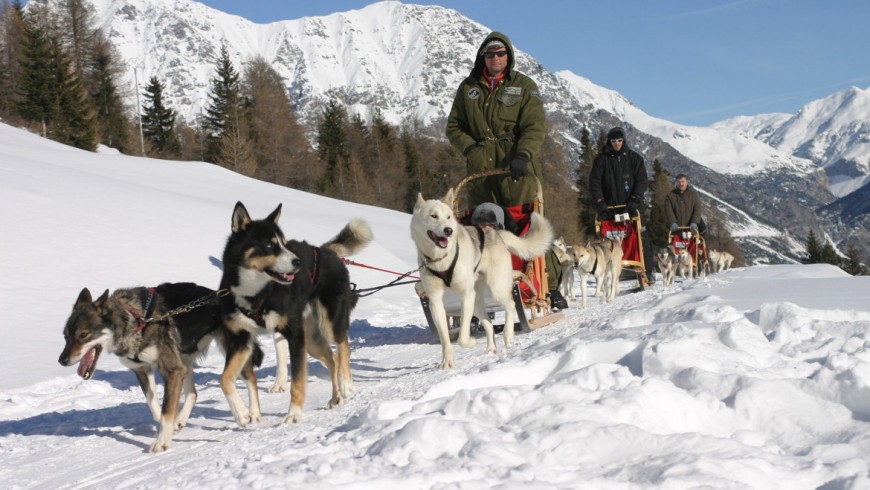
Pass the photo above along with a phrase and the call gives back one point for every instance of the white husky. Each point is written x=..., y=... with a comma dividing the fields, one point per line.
x=720, y=260
x=685, y=264
x=470, y=260
x=603, y=260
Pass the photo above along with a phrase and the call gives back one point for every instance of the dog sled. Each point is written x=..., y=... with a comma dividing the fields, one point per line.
x=532, y=306
x=686, y=238
x=627, y=230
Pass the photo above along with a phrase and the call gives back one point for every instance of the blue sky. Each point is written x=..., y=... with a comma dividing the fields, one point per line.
x=688, y=61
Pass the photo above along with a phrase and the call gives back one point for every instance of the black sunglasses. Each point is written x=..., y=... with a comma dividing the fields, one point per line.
x=489, y=55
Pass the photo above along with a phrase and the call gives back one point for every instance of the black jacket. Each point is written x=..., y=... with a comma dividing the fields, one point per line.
x=618, y=178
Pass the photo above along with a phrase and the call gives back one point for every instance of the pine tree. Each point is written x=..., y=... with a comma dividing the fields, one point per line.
x=279, y=143
x=584, y=168
x=853, y=264
x=224, y=100
x=39, y=85
x=74, y=122
x=112, y=124
x=829, y=255
x=236, y=151
x=77, y=34
x=12, y=35
x=559, y=192
x=158, y=121
x=332, y=148
x=813, y=249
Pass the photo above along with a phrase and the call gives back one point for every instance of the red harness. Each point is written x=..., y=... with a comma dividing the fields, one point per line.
x=143, y=320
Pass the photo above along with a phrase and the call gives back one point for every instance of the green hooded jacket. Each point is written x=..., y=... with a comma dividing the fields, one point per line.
x=491, y=128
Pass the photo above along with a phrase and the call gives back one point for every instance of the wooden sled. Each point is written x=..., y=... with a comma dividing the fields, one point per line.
x=628, y=229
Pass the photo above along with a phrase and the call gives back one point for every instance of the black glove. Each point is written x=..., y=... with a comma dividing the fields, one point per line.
x=631, y=210
x=519, y=167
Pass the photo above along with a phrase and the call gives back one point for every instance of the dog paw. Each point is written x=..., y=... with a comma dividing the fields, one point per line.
x=242, y=418
x=158, y=446
x=466, y=342
x=446, y=364
x=294, y=416
x=491, y=350
x=335, y=402
x=278, y=388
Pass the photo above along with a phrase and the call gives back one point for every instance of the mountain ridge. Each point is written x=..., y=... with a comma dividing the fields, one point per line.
x=405, y=61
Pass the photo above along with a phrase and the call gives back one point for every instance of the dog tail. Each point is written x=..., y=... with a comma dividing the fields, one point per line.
x=534, y=243
x=354, y=237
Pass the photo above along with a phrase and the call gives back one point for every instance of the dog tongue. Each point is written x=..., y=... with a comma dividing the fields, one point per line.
x=86, y=363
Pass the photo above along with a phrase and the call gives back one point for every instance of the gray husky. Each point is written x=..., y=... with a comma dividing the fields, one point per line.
x=140, y=326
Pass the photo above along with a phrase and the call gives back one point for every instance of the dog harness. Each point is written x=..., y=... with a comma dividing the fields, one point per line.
x=447, y=274
x=143, y=320
x=594, y=266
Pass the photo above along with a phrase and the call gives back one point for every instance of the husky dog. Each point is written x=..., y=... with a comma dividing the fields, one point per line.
x=667, y=264
x=133, y=324
x=685, y=264
x=720, y=260
x=613, y=255
x=563, y=254
x=470, y=260
x=298, y=292
x=589, y=261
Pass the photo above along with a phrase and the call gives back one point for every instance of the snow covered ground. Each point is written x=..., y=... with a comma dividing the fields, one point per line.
x=753, y=378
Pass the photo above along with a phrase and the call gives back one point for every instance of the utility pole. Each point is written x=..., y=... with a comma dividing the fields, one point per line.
x=136, y=64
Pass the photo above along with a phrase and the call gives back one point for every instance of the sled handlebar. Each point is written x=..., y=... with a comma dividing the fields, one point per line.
x=537, y=205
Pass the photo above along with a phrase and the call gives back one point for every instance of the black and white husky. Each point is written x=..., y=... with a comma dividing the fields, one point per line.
x=470, y=260
x=134, y=324
x=298, y=292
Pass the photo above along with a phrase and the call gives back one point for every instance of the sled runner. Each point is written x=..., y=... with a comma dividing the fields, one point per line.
x=693, y=242
x=627, y=229
x=531, y=304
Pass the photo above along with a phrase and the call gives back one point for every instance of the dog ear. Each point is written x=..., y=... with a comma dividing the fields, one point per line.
x=275, y=215
x=102, y=299
x=84, y=297
x=420, y=199
x=241, y=218
x=448, y=198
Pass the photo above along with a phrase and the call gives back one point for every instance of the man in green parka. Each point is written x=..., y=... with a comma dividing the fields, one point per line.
x=497, y=121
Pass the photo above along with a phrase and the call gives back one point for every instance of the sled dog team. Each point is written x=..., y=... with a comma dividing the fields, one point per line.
x=301, y=294
x=672, y=262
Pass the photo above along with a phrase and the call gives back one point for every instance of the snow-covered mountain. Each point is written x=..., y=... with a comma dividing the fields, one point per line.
x=832, y=132
x=406, y=60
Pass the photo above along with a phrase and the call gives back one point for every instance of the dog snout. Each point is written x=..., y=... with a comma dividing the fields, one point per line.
x=64, y=358
x=448, y=231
